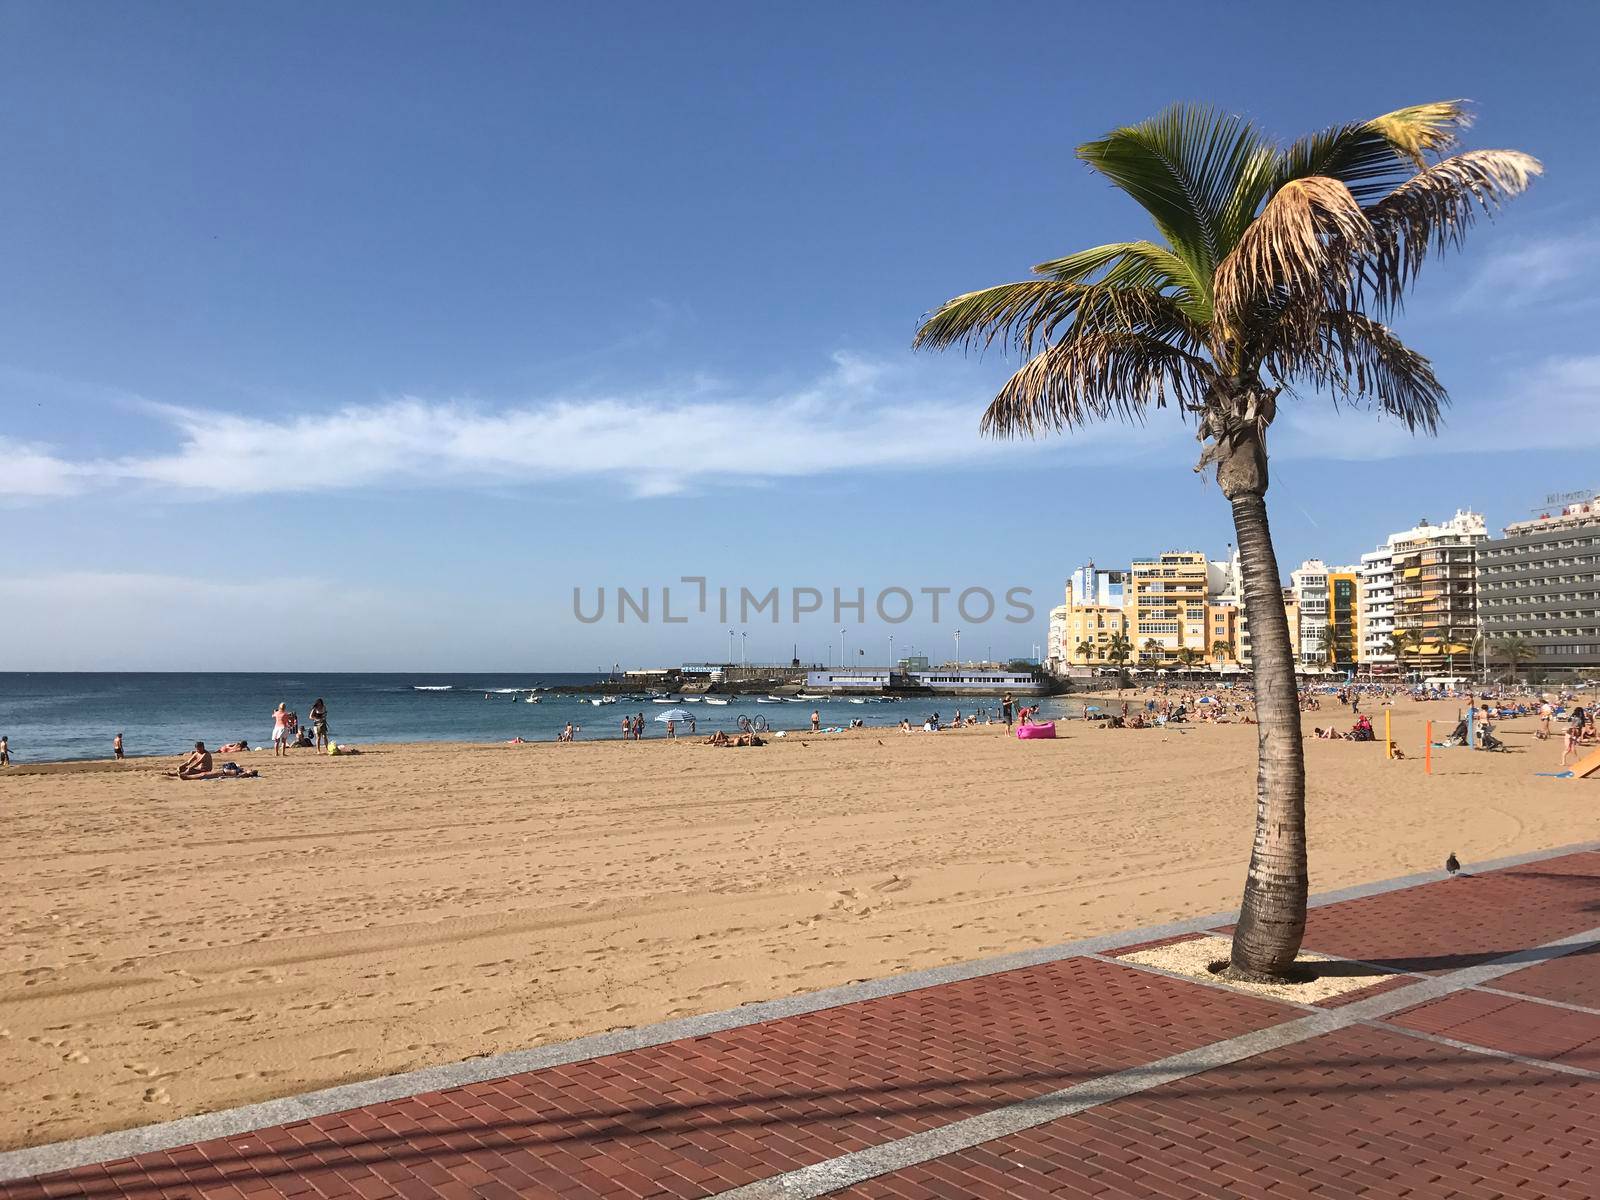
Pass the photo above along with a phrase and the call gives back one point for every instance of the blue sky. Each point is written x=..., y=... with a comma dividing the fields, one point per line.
x=356, y=337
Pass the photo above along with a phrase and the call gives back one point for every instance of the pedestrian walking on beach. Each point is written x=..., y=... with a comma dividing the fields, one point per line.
x=816, y=720
x=1006, y=703
x=638, y=727
x=627, y=728
x=116, y=746
x=672, y=729
x=280, y=731
x=319, y=722
x=5, y=751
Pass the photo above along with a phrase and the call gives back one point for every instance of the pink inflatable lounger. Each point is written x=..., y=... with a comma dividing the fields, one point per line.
x=1046, y=729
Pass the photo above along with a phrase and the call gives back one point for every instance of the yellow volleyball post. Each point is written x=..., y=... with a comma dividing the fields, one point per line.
x=1388, y=742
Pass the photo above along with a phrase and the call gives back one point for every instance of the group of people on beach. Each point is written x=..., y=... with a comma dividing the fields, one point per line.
x=287, y=733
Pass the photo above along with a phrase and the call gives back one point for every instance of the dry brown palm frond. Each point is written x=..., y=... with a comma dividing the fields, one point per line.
x=1433, y=211
x=1300, y=245
x=1357, y=358
x=1094, y=377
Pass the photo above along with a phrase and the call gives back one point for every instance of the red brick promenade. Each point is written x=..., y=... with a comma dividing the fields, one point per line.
x=1470, y=1068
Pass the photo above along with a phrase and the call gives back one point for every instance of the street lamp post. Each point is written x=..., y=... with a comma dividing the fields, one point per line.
x=891, y=651
x=730, y=647
x=742, y=637
x=841, y=649
x=958, y=647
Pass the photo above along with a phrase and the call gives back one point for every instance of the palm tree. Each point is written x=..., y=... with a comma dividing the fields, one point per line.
x=1272, y=267
x=1190, y=655
x=1330, y=643
x=1119, y=649
x=1515, y=650
x=1400, y=641
x=1085, y=650
x=1152, y=648
x=1221, y=650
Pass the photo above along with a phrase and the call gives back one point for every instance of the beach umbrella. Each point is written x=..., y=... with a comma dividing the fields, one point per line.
x=673, y=714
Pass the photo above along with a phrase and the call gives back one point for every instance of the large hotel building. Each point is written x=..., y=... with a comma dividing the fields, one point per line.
x=1428, y=603
x=1540, y=582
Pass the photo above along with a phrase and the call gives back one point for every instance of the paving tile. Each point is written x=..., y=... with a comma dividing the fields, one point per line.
x=757, y=1100
x=1361, y=1112
x=1571, y=979
x=1515, y=1026
x=1462, y=922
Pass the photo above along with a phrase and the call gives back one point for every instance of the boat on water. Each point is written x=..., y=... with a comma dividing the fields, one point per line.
x=533, y=700
x=768, y=700
x=693, y=699
x=662, y=700
x=715, y=700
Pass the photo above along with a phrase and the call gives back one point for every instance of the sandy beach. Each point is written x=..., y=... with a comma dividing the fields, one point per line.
x=172, y=948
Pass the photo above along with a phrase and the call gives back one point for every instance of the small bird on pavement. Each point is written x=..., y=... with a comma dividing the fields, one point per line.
x=1452, y=864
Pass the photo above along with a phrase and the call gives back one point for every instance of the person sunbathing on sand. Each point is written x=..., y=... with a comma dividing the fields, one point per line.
x=234, y=747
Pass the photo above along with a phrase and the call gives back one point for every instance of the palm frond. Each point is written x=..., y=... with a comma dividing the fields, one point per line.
x=1371, y=157
x=1146, y=265
x=1359, y=359
x=1142, y=286
x=1020, y=314
x=1433, y=211
x=1185, y=166
x=1423, y=128
x=1301, y=246
x=1077, y=267
x=1095, y=377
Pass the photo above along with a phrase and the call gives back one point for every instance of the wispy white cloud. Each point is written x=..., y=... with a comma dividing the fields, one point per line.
x=1552, y=269
x=33, y=471
x=862, y=414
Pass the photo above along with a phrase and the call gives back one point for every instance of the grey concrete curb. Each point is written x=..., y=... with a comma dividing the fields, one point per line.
x=107, y=1147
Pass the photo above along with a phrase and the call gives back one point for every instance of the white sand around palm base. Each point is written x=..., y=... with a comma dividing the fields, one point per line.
x=1327, y=977
x=171, y=948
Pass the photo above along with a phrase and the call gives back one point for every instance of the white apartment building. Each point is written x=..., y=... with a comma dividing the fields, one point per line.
x=1377, y=610
x=1309, y=582
x=1423, y=580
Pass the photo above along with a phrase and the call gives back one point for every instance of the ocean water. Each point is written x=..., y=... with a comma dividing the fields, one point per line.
x=51, y=716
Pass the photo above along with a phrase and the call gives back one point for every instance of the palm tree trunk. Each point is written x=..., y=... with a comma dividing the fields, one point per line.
x=1272, y=916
